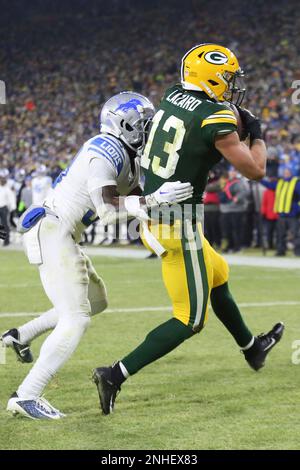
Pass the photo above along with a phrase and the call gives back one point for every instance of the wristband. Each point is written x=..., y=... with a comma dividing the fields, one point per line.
x=132, y=205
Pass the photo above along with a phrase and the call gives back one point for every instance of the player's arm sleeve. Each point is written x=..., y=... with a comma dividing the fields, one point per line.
x=102, y=173
x=221, y=122
x=110, y=206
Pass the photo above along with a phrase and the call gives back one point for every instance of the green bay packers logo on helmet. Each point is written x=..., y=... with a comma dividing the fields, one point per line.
x=216, y=57
x=215, y=70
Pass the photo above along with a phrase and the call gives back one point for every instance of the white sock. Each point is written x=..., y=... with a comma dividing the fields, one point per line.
x=45, y=322
x=55, y=351
x=249, y=345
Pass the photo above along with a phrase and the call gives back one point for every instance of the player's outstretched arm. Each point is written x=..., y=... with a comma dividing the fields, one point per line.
x=111, y=206
x=250, y=162
x=167, y=193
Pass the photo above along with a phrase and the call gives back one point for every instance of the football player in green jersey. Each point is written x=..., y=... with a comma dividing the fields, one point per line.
x=193, y=129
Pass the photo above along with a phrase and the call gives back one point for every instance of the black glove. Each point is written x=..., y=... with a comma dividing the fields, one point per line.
x=2, y=232
x=251, y=125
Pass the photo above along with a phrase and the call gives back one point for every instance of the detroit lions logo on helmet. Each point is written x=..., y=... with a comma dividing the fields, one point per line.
x=132, y=104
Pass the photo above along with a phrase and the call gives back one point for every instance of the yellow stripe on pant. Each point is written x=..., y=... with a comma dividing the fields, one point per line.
x=190, y=269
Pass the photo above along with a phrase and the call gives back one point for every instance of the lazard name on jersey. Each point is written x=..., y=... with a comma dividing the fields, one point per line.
x=183, y=100
x=181, y=146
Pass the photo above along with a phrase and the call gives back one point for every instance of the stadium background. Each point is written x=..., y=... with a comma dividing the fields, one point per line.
x=60, y=61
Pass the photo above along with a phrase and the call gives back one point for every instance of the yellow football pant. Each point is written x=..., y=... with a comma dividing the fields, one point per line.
x=190, y=269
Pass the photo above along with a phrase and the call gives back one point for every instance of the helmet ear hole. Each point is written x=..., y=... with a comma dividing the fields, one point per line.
x=128, y=127
x=213, y=83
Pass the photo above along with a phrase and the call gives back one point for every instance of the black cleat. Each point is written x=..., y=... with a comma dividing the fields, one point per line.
x=11, y=338
x=107, y=390
x=256, y=355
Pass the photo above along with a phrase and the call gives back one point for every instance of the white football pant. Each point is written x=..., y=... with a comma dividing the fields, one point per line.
x=47, y=321
x=73, y=286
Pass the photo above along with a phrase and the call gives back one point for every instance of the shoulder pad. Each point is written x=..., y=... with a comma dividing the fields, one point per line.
x=220, y=116
x=109, y=148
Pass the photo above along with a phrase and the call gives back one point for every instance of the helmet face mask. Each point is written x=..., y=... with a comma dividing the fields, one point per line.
x=236, y=88
x=126, y=116
x=215, y=70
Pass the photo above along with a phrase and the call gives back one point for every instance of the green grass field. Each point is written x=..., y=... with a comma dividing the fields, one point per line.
x=202, y=396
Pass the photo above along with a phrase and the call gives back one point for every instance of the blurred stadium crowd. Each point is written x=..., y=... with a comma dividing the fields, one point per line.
x=62, y=59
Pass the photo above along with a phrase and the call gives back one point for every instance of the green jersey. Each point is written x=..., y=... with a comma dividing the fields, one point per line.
x=181, y=141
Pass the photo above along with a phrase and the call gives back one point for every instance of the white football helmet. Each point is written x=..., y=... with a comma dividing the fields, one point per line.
x=127, y=116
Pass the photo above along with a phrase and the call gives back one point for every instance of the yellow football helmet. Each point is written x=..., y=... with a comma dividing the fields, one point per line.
x=215, y=70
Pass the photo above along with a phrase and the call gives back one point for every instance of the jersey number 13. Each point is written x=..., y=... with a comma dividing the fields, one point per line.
x=169, y=148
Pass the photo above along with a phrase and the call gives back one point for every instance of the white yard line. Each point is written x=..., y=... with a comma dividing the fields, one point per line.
x=25, y=285
x=286, y=303
x=141, y=253
x=263, y=261
x=20, y=285
x=138, y=253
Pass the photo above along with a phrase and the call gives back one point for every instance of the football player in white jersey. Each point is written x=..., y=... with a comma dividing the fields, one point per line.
x=96, y=183
x=41, y=185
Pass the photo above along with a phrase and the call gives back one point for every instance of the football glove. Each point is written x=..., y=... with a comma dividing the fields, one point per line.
x=134, y=209
x=2, y=232
x=251, y=125
x=167, y=193
x=170, y=193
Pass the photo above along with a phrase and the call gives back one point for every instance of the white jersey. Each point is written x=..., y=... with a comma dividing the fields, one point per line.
x=14, y=185
x=41, y=188
x=101, y=161
x=7, y=197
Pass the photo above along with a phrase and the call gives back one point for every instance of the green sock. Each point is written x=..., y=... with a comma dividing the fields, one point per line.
x=157, y=343
x=227, y=311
